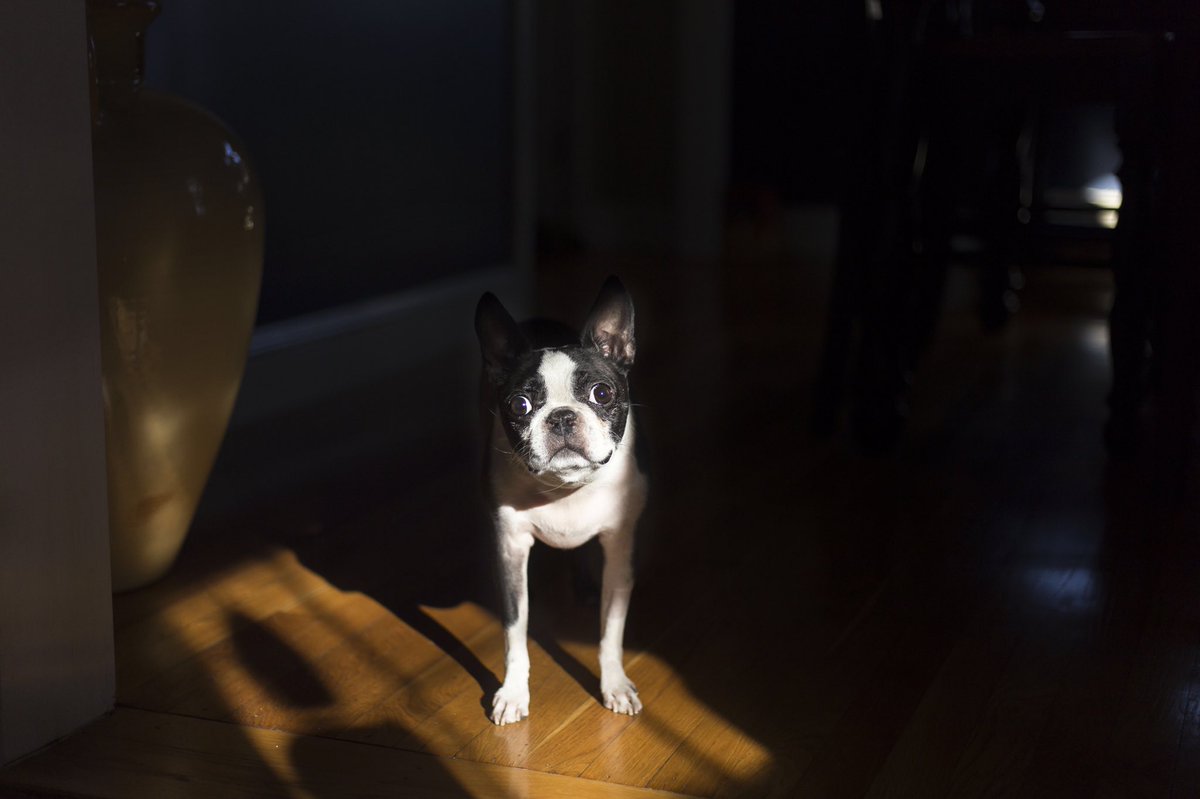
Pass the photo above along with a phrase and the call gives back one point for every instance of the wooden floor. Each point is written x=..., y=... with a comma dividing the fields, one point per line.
x=992, y=610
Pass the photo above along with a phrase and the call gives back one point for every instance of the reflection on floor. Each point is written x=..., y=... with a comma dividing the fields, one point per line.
x=993, y=609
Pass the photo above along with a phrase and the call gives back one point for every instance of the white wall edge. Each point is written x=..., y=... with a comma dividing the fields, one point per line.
x=57, y=670
x=301, y=361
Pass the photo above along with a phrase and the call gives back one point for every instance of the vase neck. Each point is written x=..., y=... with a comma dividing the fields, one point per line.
x=116, y=30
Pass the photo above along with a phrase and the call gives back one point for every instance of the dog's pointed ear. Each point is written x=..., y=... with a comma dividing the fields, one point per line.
x=500, y=340
x=609, y=328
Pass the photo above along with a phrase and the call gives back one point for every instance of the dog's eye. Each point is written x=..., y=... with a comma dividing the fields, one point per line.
x=520, y=405
x=602, y=394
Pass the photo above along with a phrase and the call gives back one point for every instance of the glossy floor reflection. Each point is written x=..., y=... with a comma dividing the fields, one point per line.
x=992, y=609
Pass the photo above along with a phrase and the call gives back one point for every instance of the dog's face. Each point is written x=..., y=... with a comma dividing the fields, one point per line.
x=563, y=408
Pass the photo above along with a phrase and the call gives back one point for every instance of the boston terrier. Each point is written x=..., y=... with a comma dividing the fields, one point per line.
x=560, y=468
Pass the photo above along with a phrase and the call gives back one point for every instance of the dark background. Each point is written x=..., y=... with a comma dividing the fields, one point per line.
x=881, y=154
x=383, y=133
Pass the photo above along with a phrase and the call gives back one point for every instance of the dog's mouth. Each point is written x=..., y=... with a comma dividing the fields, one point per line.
x=568, y=460
x=569, y=457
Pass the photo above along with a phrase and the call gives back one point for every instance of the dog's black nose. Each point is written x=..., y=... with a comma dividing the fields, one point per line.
x=561, y=420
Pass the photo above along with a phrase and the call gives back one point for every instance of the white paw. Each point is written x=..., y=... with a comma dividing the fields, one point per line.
x=620, y=696
x=510, y=704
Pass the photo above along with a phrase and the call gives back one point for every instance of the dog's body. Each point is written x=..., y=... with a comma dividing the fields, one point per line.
x=561, y=469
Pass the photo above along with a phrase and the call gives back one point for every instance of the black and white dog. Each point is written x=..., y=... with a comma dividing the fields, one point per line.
x=560, y=469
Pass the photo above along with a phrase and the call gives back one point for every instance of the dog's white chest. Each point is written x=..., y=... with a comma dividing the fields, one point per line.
x=573, y=520
x=568, y=517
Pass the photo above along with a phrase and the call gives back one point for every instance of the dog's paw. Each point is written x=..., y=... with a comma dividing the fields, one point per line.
x=510, y=705
x=621, y=696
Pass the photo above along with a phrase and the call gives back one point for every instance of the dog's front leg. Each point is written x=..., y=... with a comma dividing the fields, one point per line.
x=619, y=693
x=511, y=702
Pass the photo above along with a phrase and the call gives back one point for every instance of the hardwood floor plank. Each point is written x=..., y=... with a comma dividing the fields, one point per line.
x=645, y=745
x=998, y=751
x=557, y=697
x=200, y=619
x=400, y=719
x=766, y=709
x=133, y=754
x=858, y=746
x=717, y=759
x=824, y=640
x=1185, y=780
x=1072, y=747
x=345, y=660
x=1144, y=743
x=213, y=679
x=459, y=725
x=921, y=763
x=596, y=729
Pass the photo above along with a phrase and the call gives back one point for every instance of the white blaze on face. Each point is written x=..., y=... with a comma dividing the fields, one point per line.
x=557, y=371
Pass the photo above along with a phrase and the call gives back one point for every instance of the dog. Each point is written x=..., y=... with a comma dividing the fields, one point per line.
x=560, y=468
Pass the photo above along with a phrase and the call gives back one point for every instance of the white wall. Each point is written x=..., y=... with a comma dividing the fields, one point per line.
x=56, y=644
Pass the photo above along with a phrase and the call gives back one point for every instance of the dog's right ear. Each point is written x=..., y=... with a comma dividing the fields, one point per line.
x=609, y=328
x=500, y=339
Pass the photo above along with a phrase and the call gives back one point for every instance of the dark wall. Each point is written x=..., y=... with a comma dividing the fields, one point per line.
x=382, y=133
x=792, y=71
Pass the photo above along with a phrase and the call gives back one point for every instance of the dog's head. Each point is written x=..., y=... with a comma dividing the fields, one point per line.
x=563, y=408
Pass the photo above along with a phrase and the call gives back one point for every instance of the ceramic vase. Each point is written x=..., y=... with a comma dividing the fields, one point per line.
x=179, y=243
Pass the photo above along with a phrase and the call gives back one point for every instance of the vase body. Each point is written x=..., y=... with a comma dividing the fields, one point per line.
x=179, y=245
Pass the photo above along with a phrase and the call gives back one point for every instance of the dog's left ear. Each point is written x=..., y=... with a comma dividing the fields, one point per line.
x=500, y=339
x=609, y=328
